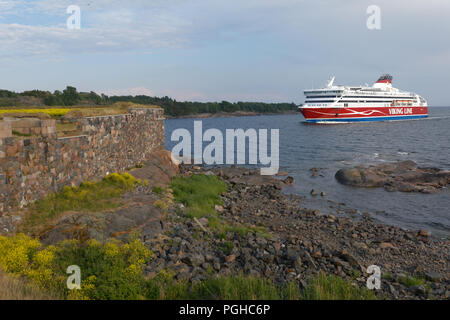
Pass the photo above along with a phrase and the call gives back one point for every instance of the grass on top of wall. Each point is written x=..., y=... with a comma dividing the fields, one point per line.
x=72, y=112
x=89, y=196
x=52, y=112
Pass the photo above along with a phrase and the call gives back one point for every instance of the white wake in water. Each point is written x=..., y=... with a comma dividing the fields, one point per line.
x=436, y=118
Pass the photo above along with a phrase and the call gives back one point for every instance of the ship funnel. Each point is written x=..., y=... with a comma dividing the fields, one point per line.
x=385, y=81
x=385, y=78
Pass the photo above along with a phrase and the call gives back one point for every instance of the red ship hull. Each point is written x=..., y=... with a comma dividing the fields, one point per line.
x=357, y=114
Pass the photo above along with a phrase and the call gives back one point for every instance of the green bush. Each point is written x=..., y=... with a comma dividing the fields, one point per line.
x=109, y=271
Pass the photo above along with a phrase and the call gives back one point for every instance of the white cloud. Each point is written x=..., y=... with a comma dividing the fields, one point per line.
x=117, y=25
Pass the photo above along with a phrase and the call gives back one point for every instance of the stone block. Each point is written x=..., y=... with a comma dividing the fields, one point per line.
x=5, y=129
x=26, y=123
x=23, y=130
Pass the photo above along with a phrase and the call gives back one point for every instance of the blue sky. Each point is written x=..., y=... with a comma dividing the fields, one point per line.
x=211, y=50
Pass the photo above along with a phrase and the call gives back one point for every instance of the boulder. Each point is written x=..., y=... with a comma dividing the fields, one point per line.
x=404, y=176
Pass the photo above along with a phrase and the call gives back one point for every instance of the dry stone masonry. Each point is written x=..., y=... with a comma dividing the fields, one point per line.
x=34, y=161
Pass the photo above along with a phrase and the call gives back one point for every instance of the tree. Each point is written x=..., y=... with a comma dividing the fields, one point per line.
x=70, y=96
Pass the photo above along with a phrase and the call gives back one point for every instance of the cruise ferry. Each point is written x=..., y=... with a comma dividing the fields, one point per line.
x=380, y=102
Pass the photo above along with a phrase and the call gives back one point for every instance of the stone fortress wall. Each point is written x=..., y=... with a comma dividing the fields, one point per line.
x=35, y=161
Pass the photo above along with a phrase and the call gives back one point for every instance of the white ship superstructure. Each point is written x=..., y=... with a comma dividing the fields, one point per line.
x=378, y=102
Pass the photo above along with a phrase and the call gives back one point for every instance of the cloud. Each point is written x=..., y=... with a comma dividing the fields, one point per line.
x=116, y=25
x=105, y=27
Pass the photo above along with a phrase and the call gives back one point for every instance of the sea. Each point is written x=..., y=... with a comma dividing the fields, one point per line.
x=330, y=147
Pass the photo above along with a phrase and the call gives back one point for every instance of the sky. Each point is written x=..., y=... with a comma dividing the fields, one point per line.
x=234, y=50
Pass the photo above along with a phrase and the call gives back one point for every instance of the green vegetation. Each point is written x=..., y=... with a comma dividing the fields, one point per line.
x=12, y=288
x=238, y=287
x=157, y=190
x=355, y=274
x=71, y=97
x=227, y=247
x=412, y=281
x=52, y=112
x=386, y=276
x=175, y=108
x=90, y=196
x=109, y=271
x=200, y=193
x=19, y=134
x=330, y=287
x=114, y=270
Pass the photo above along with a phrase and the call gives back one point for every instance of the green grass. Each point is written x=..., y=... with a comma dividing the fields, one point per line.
x=330, y=287
x=386, y=276
x=355, y=274
x=89, y=196
x=226, y=247
x=412, y=281
x=157, y=190
x=238, y=287
x=241, y=287
x=200, y=193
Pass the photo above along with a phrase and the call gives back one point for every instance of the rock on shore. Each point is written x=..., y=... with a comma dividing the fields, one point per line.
x=404, y=176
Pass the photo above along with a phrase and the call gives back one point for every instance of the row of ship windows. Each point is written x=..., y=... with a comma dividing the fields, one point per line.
x=346, y=104
x=319, y=92
x=346, y=101
x=352, y=97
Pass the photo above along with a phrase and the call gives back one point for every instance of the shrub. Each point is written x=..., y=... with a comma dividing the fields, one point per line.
x=109, y=271
x=16, y=253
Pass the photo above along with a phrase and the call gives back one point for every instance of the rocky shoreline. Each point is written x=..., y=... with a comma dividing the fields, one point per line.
x=299, y=243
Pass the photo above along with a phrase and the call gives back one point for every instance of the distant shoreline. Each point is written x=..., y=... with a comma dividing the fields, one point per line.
x=229, y=114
